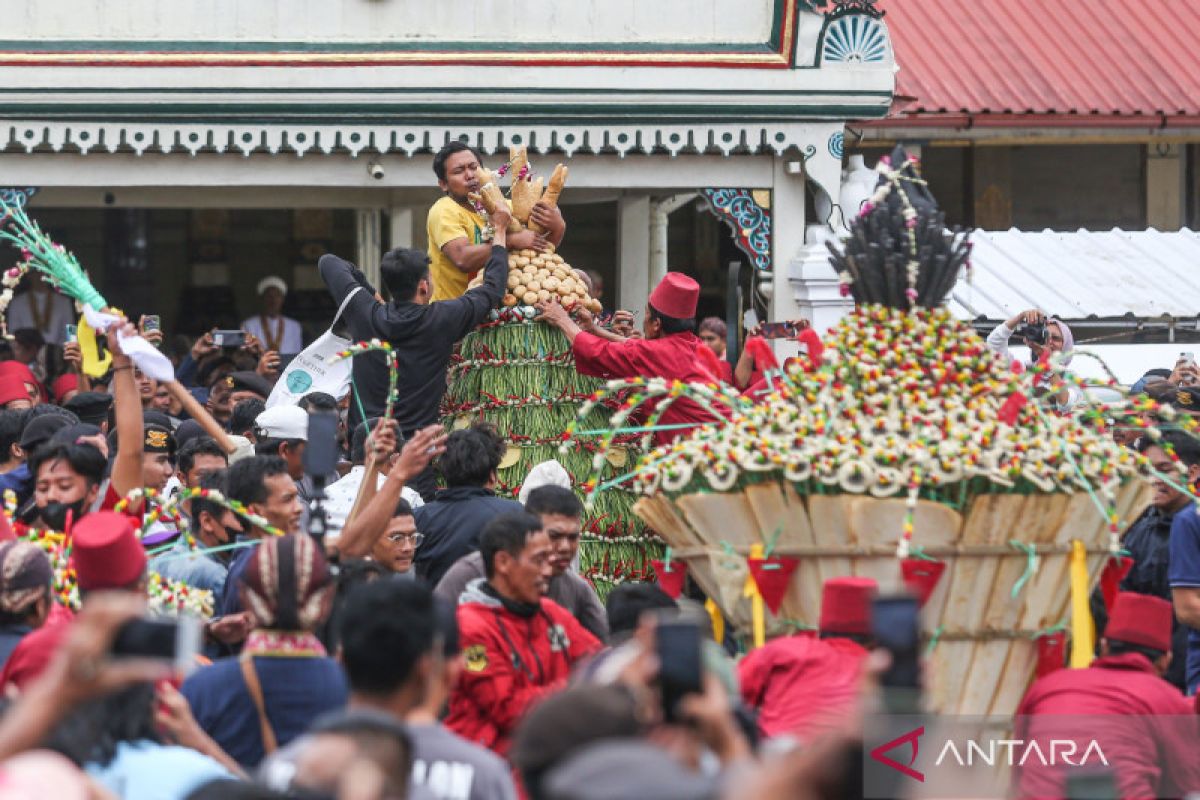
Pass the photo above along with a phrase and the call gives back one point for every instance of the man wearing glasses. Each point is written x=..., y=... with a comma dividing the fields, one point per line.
x=562, y=520
x=397, y=547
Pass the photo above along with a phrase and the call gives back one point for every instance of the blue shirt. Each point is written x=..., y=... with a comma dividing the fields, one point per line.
x=198, y=571
x=296, y=690
x=1184, y=572
x=151, y=771
x=230, y=601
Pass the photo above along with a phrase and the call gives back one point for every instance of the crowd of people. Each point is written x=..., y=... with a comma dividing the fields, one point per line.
x=393, y=628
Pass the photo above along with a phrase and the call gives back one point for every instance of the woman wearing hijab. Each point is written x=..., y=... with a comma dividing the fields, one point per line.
x=1058, y=339
x=283, y=680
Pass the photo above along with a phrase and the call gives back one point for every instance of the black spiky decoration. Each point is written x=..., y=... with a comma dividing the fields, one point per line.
x=899, y=252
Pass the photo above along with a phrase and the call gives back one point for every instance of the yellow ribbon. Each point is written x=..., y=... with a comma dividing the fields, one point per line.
x=1083, y=630
x=757, y=613
x=718, y=621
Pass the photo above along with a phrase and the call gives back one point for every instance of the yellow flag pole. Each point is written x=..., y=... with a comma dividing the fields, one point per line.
x=1083, y=630
x=718, y=621
x=758, y=615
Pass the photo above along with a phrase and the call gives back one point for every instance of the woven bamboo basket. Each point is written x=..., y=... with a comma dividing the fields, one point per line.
x=984, y=655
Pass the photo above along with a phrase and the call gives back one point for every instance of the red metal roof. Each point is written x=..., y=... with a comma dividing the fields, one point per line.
x=1101, y=62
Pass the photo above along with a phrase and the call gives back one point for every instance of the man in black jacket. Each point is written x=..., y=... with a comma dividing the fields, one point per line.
x=423, y=334
x=453, y=521
x=1148, y=539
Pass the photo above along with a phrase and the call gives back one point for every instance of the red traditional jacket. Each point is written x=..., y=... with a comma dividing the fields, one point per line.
x=511, y=662
x=674, y=357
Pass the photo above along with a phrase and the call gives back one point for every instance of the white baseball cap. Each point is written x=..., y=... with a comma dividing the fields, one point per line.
x=272, y=281
x=283, y=422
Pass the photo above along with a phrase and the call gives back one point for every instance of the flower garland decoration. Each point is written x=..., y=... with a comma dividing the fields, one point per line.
x=173, y=597
x=376, y=345
x=170, y=507
x=57, y=547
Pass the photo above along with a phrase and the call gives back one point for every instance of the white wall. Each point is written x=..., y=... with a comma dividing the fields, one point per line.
x=335, y=21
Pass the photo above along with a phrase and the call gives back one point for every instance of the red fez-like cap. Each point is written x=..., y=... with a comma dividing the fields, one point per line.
x=106, y=553
x=1140, y=619
x=676, y=296
x=846, y=605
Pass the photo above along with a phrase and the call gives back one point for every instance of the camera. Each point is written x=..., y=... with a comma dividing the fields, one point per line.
x=1033, y=333
x=376, y=170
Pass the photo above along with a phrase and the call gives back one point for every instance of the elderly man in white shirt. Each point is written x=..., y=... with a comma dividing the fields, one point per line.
x=341, y=494
x=278, y=333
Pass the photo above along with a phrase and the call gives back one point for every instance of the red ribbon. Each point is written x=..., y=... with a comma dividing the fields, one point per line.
x=670, y=580
x=1115, y=570
x=772, y=576
x=921, y=576
x=1051, y=653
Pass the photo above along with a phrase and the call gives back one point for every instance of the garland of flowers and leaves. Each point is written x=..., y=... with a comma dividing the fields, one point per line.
x=393, y=361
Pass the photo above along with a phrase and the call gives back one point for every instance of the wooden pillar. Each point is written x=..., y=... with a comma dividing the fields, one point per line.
x=993, y=187
x=1166, y=174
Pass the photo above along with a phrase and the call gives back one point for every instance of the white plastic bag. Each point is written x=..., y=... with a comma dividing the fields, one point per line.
x=310, y=370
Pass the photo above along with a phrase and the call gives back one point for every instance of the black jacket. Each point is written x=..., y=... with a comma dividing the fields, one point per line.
x=423, y=337
x=1148, y=542
x=451, y=524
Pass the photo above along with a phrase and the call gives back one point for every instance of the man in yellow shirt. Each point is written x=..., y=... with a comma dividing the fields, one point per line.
x=457, y=244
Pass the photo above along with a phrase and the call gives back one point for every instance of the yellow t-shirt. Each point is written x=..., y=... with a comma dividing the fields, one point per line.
x=448, y=221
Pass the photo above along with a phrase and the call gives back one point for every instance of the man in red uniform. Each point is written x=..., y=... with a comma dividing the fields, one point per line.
x=1151, y=740
x=518, y=646
x=803, y=686
x=669, y=350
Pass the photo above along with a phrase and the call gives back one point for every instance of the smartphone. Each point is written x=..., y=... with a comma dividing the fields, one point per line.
x=750, y=319
x=1092, y=784
x=151, y=322
x=72, y=333
x=778, y=330
x=230, y=340
x=680, y=670
x=174, y=639
x=896, y=627
x=1189, y=357
x=321, y=452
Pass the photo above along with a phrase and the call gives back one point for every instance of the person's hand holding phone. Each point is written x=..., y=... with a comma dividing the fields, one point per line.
x=268, y=365
x=251, y=344
x=149, y=326
x=73, y=355
x=622, y=323
x=204, y=346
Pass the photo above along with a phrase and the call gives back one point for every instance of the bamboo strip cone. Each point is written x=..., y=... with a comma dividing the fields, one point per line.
x=720, y=518
x=831, y=528
x=776, y=506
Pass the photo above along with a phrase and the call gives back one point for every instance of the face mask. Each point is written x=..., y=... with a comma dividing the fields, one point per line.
x=55, y=514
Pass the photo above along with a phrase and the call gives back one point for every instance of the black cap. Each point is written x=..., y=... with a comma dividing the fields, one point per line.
x=90, y=407
x=71, y=433
x=152, y=417
x=158, y=439
x=40, y=429
x=246, y=381
x=188, y=429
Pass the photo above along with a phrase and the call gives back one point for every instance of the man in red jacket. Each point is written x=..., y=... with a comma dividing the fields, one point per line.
x=518, y=646
x=670, y=349
x=803, y=686
x=1151, y=740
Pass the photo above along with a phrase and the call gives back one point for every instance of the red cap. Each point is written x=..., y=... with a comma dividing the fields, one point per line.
x=63, y=384
x=12, y=388
x=846, y=605
x=676, y=296
x=106, y=553
x=1140, y=619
